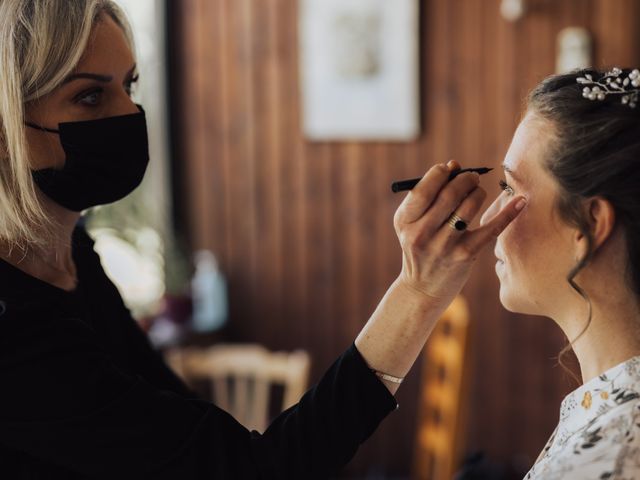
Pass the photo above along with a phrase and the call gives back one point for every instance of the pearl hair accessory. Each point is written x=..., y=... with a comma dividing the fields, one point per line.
x=612, y=84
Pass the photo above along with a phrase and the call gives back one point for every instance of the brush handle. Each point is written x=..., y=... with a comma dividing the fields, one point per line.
x=409, y=184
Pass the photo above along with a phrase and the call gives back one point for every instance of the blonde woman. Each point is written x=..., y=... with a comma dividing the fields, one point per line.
x=83, y=393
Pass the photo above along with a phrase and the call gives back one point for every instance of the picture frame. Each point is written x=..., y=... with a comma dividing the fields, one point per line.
x=359, y=69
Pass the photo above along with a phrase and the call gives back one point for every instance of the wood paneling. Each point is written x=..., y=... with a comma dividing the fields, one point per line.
x=304, y=230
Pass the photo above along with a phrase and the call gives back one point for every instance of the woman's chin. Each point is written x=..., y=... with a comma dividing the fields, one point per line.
x=506, y=305
x=514, y=298
x=511, y=301
x=506, y=296
x=503, y=297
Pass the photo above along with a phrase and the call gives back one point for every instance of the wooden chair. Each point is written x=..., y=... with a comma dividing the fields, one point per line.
x=441, y=407
x=242, y=377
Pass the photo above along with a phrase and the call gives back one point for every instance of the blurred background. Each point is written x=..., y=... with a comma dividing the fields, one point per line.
x=265, y=218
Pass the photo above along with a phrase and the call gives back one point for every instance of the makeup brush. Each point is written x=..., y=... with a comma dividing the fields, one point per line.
x=409, y=184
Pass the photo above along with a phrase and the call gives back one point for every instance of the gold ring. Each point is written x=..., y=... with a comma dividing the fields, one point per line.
x=456, y=222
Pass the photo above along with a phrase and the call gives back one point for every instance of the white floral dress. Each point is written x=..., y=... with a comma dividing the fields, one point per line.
x=598, y=436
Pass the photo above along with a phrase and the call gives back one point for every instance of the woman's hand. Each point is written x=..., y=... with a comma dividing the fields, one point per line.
x=436, y=258
x=436, y=262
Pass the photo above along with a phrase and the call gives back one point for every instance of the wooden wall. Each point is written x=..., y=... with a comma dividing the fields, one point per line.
x=304, y=230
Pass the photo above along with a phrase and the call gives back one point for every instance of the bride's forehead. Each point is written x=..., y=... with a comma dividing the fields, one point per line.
x=529, y=143
x=524, y=162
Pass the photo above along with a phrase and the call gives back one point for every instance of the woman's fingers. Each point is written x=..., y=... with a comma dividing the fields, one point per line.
x=422, y=195
x=453, y=165
x=467, y=210
x=481, y=236
x=450, y=197
x=463, y=196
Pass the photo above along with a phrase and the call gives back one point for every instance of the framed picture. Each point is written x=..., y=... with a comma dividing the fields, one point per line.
x=359, y=69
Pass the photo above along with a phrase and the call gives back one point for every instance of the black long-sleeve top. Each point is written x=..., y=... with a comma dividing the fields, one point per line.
x=83, y=394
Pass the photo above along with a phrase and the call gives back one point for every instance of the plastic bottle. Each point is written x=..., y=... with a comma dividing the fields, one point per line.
x=208, y=293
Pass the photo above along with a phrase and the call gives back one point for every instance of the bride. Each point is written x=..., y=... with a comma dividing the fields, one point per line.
x=574, y=255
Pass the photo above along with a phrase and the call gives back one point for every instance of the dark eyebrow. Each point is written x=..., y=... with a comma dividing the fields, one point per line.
x=94, y=76
x=510, y=172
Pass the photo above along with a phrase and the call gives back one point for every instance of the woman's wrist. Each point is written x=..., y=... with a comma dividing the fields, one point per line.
x=414, y=294
x=397, y=330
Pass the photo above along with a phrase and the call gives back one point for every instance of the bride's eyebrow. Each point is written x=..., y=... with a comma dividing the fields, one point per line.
x=510, y=172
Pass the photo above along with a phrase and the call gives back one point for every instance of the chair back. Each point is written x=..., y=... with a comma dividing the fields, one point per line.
x=441, y=407
x=242, y=376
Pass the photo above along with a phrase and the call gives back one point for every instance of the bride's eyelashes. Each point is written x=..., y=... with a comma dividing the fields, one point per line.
x=505, y=186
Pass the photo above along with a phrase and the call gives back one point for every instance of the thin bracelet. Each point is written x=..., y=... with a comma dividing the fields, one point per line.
x=386, y=376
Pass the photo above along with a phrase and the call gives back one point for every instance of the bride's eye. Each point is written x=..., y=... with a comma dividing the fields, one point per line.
x=504, y=186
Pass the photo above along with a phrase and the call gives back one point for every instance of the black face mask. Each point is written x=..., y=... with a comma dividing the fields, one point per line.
x=106, y=160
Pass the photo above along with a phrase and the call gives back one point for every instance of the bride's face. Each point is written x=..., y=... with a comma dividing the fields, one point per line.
x=535, y=251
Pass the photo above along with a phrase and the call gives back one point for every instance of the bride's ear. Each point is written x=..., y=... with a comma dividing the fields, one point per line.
x=601, y=217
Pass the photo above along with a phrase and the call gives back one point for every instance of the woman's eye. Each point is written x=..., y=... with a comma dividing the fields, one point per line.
x=504, y=186
x=91, y=98
x=130, y=85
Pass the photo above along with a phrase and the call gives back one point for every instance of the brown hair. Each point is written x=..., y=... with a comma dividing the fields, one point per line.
x=595, y=152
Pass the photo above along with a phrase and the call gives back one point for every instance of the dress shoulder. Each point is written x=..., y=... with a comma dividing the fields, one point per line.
x=605, y=448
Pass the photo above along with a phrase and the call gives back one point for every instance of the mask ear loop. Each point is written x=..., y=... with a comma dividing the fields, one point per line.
x=39, y=127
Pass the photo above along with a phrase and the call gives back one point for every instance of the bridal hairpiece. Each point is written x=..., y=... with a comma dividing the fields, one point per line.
x=612, y=83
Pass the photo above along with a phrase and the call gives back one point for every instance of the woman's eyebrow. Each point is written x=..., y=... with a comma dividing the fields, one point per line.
x=94, y=76
x=510, y=172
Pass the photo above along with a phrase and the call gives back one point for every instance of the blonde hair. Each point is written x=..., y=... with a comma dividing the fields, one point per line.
x=41, y=43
